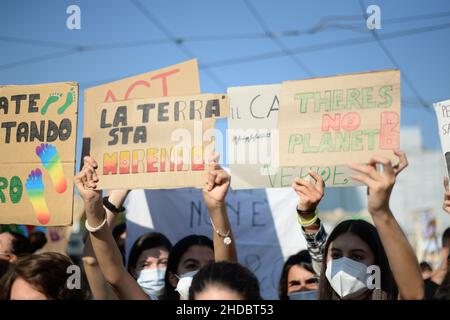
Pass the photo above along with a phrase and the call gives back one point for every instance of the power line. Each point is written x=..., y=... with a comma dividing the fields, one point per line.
x=258, y=57
x=393, y=60
x=330, y=21
x=275, y=40
x=42, y=43
x=50, y=56
x=325, y=24
x=232, y=61
x=323, y=46
x=173, y=39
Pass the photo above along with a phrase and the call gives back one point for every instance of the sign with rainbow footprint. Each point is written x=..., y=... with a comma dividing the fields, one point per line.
x=38, y=127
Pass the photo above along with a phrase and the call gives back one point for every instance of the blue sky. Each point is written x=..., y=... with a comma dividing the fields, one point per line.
x=120, y=38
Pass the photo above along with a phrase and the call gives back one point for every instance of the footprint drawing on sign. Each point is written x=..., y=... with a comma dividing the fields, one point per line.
x=35, y=191
x=52, y=163
x=69, y=99
x=52, y=98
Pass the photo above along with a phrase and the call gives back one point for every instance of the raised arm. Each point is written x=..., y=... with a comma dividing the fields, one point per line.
x=310, y=194
x=402, y=260
x=100, y=288
x=440, y=273
x=105, y=248
x=214, y=192
x=446, y=205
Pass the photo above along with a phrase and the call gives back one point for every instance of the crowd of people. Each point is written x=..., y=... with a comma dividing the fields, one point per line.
x=357, y=260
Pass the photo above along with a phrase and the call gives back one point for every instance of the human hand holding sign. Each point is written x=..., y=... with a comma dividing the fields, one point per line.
x=380, y=184
x=401, y=256
x=446, y=205
x=86, y=180
x=105, y=248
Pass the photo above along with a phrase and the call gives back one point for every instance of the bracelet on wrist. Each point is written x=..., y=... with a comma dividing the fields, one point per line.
x=226, y=237
x=94, y=229
x=307, y=222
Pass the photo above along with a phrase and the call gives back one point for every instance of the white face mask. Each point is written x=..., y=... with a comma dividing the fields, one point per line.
x=303, y=295
x=347, y=276
x=184, y=283
x=152, y=281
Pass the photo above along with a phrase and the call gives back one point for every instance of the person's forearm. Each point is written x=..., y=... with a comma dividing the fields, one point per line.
x=109, y=257
x=97, y=282
x=439, y=275
x=105, y=248
x=117, y=197
x=88, y=251
x=100, y=288
x=402, y=260
x=222, y=251
x=111, y=265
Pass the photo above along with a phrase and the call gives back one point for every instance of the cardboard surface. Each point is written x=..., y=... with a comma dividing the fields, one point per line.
x=154, y=142
x=38, y=128
x=339, y=120
x=253, y=143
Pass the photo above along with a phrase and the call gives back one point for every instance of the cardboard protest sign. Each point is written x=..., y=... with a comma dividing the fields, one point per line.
x=442, y=110
x=38, y=127
x=58, y=238
x=339, y=120
x=155, y=142
x=176, y=80
x=253, y=143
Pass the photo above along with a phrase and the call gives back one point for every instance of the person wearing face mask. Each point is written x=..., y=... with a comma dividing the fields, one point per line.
x=184, y=284
x=185, y=259
x=147, y=262
x=355, y=246
x=298, y=279
x=217, y=182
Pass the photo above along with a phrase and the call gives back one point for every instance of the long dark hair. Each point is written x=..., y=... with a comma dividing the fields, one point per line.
x=21, y=245
x=302, y=259
x=369, y=234
x=144, y=242
x=230, y=275
x=175, y=255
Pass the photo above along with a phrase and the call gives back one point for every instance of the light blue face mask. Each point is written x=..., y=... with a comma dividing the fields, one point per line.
x=152, y=281
x=303, y=295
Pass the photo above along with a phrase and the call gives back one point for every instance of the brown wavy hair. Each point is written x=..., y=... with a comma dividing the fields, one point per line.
x=46, y=272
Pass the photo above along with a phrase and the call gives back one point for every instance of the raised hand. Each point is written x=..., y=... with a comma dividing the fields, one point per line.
x=403, y=161
x=380, y=184
x=86, y=180
x=446, y=205
x=216, y=185
x=310, y=193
